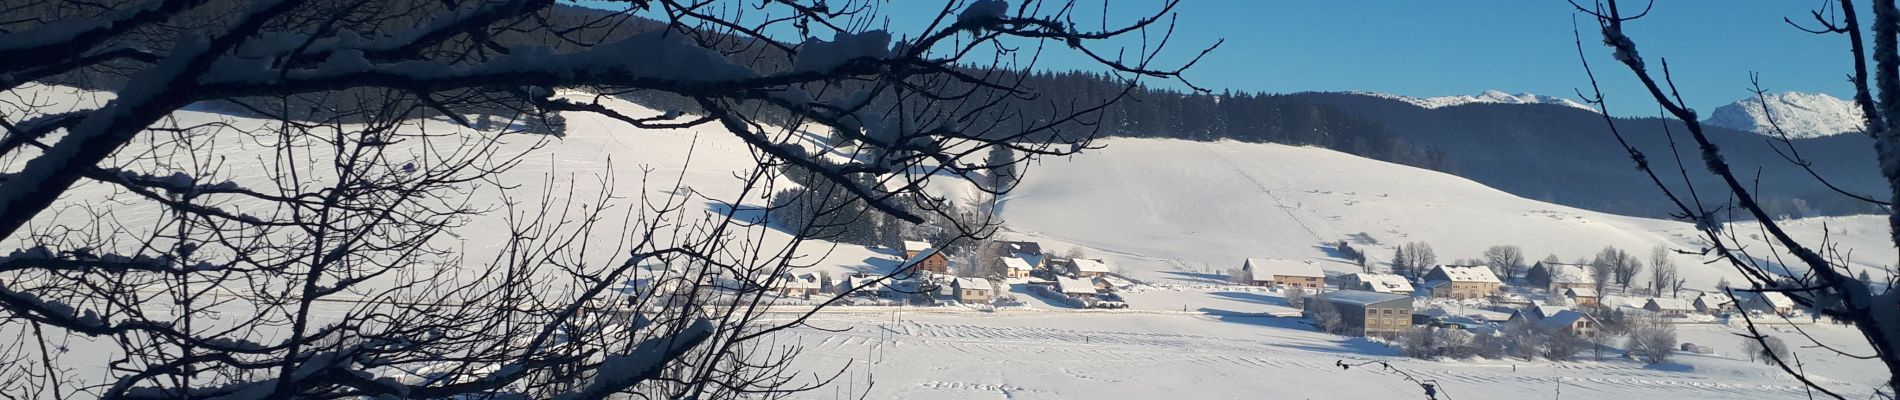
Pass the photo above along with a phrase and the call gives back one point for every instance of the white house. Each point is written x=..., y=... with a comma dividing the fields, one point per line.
x=972, y=290
x=1712, y=302
x=1015, y=267
x=1774, y=302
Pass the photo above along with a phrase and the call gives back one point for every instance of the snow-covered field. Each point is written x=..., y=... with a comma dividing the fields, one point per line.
x=1050, y=355
x=1171, y=210
x=1174, y=214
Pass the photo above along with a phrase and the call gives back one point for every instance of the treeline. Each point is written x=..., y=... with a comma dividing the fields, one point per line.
x=1145, y=112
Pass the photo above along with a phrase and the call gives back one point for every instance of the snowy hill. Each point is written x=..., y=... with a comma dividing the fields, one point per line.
x=1167, y=209
x=1488, y=97
x=1801, y=115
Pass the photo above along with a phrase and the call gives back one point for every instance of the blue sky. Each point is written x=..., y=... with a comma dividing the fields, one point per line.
x=1432, y=48
x=1436, y=48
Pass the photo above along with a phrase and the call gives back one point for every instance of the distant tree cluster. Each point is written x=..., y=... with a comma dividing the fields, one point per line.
x=828, y=211
x=1351, y=253
x=1766, y=350
x=1323, y=315
x=1426, y=342
x=1413, y=259
x=1506, y=260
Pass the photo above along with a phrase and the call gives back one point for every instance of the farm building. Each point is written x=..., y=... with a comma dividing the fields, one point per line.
x=1372, y=313
x=1084, y=267
x=1669, y=307
x=1464, y=281
x=1284, y=273
x=1556, y=277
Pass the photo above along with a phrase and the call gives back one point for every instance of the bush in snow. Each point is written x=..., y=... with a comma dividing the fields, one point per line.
x=1774, y=349
x=1652, y=341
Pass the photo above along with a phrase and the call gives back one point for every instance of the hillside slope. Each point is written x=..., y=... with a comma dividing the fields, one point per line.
x=1568, y=156
x=1169, y=209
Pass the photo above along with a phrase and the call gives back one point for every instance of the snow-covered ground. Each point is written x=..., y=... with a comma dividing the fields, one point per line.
x=1046, y=355
x=1174, y=215
x=1180, y=211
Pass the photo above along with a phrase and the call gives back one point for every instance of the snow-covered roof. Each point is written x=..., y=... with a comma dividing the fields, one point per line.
x=1264, y=269
x=1669, y=304
x=1467, y=273
x=1361, y=297
x=1581, y=292
x=1016, y=263
x=1562, y=319
x=1547, y=311
x=1776, y=299
x=1088, y=265
x=915, y=246
x=1033, y=259
x=1569, y=273
x=1713, y=299
x=1383, y=283
x=973, y=283
x=1074, y=285
x=1015, y=247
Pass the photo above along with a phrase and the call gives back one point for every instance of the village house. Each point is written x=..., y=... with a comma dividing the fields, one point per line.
x=1382, y=283
x=1463, y=281
x=1572, y=321
x=860, y=284
x=1772, y=302
x=1087, y=268
x=787, y=285
x=973, y=290
x=1366, y=313
x=933, y=262
x=1005, y=248
x=1535, y=313
x=1581, y=296
x=1016, y=267
x=1714, y=303
x=1556, y=277
x=1076, y=287
x=1674, y=308
x=1284, y=273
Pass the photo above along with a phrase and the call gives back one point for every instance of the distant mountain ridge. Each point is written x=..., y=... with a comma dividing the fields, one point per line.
x=1486, y=97
x=1800, y=115
x=1567, y=155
